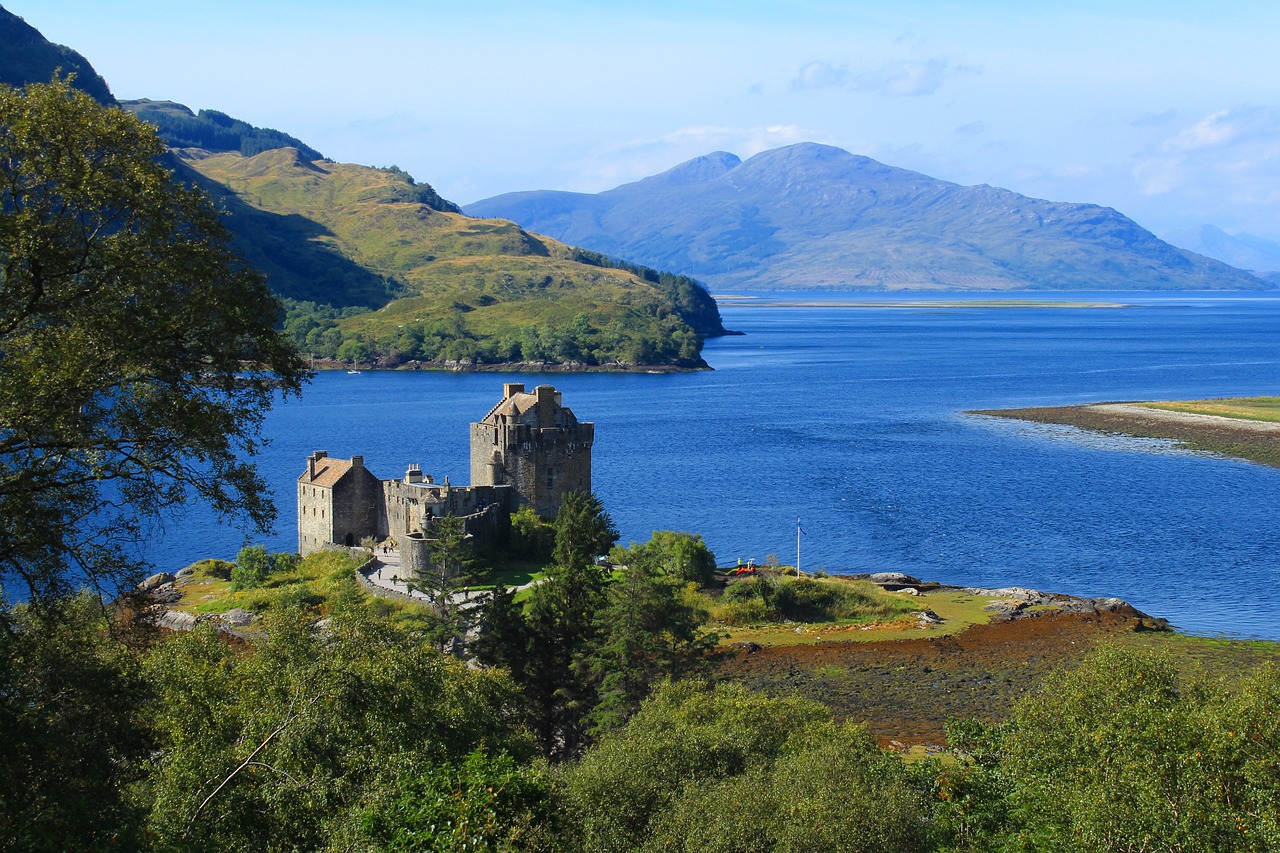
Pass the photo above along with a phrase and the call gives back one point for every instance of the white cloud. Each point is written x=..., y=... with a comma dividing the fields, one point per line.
x=898, y=79
x=820, y=74
x=1212, y=131
x=1225, y=167
x=973, y=128
x=908, y=78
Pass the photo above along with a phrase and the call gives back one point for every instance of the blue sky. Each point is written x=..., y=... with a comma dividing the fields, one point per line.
x=1168, y=111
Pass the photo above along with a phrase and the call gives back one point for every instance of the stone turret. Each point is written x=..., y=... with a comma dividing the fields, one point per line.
x=531, y=441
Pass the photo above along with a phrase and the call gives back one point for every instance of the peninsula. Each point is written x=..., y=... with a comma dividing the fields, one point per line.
x=1240, y=427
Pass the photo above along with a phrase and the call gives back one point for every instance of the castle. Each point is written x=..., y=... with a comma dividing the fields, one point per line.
x=529, y=450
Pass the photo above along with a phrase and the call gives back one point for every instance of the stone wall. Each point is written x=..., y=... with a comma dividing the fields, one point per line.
x=362, y=578
x=358, y=509
x=315, y=517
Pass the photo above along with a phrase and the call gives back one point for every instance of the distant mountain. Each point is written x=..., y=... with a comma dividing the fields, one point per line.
x=1240, y=250
x=26, y=56
x=813, y=216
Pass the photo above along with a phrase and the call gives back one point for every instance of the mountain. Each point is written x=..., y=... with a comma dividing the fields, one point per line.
x=371, y=270
x=28, y=57
x=811, y=216
x=1240, y=250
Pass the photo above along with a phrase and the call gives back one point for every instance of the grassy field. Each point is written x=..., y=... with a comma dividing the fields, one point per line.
x=1244, y=408
x=832, y=609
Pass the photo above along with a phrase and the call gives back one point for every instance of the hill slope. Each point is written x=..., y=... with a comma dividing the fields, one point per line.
x=817, y=217
x=28, y=57
x=340, y=239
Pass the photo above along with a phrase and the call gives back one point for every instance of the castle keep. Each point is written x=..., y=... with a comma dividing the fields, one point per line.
x=536, y=445
x=529, y=450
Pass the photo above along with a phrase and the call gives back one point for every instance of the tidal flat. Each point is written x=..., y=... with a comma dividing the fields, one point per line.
x=1245, y=428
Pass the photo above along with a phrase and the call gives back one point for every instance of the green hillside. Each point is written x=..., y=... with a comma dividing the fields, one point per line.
x=372, y=270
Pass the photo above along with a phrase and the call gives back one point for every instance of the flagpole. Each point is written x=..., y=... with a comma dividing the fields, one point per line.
x=798, y=532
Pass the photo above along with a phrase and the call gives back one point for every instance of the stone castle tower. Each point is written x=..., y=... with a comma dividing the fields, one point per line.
x=534, y=443
x=528, y=451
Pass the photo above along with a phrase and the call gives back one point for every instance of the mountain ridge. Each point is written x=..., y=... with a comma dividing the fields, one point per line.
x=1241, y=250
x=810, y=216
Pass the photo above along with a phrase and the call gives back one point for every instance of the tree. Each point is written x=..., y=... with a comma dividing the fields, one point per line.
x=137, y=354
x=683, y=556
x=502, y=634
x=645, y=632
x=75, y=740
x=252, y=568
x=1123, y=754
x=584, y=531
x=451, y=558
x=685, y=737
x=309, y=740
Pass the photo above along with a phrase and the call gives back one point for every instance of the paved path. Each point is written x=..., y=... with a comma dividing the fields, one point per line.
x=388, y=573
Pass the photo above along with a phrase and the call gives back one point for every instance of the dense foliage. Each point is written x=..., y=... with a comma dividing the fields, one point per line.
x=137, y=354
x=692, y=301
x=357, y=734
x=213, y=130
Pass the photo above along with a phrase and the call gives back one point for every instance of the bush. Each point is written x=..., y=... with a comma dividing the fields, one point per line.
x=254, y=565
x=531, y=537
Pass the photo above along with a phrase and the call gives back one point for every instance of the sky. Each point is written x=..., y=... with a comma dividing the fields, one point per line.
x=1167, y=111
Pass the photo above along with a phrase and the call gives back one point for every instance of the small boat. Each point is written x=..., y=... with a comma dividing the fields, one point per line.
x=354, y=372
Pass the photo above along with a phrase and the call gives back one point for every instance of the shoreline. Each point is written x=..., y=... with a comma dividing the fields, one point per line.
x=748, y=301
x=508, y=367
x=1248, y=440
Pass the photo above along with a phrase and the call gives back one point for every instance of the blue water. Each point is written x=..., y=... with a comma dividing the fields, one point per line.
x=852, y=418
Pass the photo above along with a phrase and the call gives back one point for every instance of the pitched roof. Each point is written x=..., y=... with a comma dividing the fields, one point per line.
x=328, y=472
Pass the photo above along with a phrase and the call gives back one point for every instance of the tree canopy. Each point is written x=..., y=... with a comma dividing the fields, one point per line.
x=138, y=355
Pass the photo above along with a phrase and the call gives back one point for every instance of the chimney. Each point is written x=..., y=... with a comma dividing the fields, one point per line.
x=357, y=463
x=548, y=397
x=414, y=474
x=511, y=389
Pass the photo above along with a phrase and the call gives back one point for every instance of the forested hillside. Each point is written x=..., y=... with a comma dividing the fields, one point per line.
x=373, y=267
